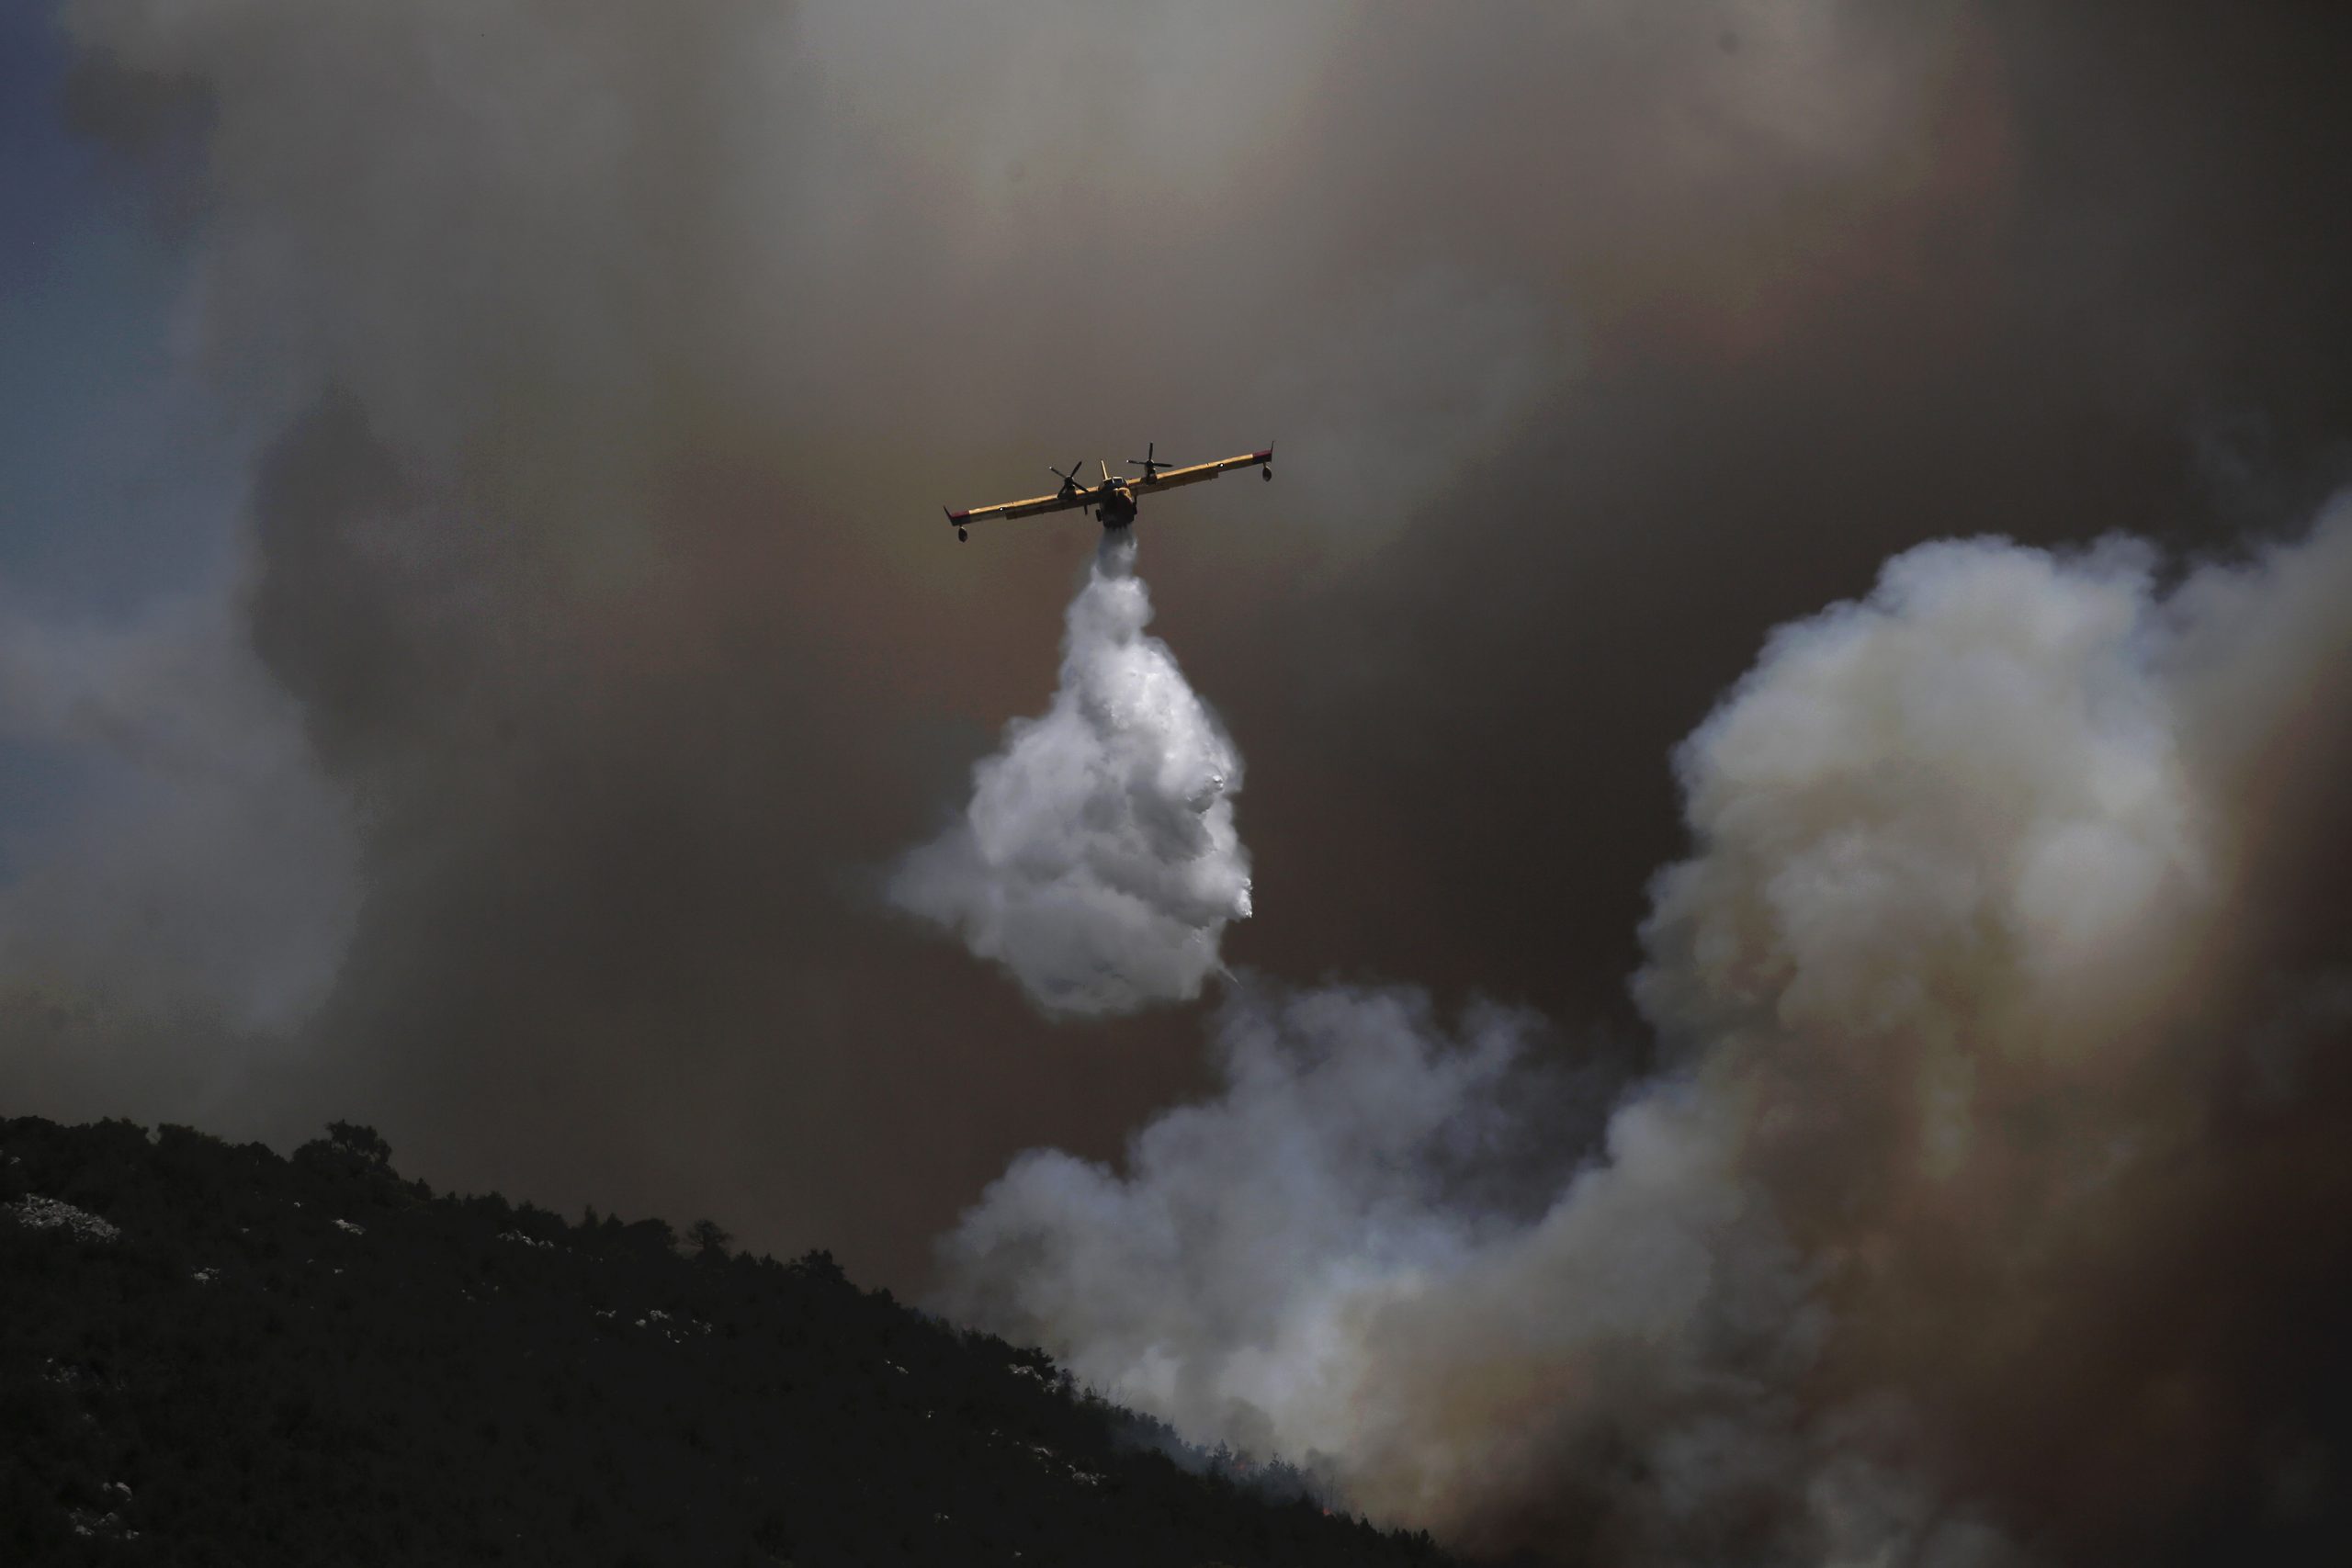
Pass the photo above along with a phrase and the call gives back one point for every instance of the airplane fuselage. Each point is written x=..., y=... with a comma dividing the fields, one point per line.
x=1116, y=505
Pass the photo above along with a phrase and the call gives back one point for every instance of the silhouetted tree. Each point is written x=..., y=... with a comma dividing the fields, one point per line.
x=364, y=1143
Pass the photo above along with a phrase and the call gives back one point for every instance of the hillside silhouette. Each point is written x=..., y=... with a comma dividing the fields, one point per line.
x=212, y=1354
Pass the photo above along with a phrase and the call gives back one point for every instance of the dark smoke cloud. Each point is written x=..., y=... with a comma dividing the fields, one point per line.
x=601, y=626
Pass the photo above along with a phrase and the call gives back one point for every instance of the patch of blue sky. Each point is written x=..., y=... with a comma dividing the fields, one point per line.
x=122, y=476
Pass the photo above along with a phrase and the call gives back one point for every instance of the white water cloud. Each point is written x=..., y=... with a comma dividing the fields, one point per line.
x=1098, y=861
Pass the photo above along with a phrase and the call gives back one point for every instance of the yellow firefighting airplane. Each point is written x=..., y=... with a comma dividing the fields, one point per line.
x=1114, y=500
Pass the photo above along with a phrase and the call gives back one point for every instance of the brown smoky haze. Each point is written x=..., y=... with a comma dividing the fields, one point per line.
x=1796, y=1004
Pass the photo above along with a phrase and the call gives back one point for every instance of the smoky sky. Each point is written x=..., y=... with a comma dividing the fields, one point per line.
x=592, y=647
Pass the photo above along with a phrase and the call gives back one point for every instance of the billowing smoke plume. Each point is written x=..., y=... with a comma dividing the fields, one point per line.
x=1098, y=861
x=1985, y=1210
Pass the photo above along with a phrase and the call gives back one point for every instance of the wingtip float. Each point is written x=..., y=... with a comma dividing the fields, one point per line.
x=1114, y=501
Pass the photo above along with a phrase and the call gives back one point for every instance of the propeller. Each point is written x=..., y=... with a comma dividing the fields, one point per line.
x=1070, y=480
x=1148, y=462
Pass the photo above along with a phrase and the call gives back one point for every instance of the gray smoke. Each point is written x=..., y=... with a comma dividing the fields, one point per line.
x=194, y=859
x=1098, y=861
x=1975, y=998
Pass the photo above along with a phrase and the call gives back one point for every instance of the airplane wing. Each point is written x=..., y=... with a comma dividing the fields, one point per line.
x=1170, y=478
x=1035, y=505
